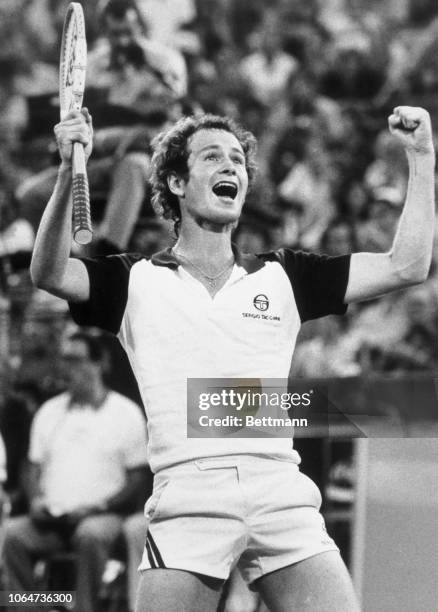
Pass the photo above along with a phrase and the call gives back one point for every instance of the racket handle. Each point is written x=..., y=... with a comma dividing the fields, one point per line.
x=82, y=229
x=82, y=232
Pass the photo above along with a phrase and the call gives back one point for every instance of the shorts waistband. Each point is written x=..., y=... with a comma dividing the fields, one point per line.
x=229, y=461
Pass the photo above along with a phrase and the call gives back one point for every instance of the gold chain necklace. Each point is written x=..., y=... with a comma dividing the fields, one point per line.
x=211, y=280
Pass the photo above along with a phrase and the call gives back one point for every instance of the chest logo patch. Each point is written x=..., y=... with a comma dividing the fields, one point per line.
x=261, y=302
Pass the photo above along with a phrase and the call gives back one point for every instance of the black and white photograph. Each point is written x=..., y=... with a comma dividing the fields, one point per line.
x=218, y=306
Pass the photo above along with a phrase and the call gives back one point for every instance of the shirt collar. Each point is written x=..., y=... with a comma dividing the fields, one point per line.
x=251, y=263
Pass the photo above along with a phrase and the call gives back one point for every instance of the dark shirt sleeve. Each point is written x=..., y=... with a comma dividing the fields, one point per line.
x=319, y=282
x=109, y=280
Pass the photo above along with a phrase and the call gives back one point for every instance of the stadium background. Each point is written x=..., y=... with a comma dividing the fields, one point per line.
x=330, y=180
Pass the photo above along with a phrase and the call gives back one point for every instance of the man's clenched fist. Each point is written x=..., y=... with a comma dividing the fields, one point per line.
x=412, y=126
x=75, y=127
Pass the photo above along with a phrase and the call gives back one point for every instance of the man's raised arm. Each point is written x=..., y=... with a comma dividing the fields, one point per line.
x=408, y=261
x=51, y=267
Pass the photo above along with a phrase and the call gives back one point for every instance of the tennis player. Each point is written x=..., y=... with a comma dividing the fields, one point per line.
x=186, y=313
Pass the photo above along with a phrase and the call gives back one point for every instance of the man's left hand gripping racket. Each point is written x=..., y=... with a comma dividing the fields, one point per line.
x=72, y=68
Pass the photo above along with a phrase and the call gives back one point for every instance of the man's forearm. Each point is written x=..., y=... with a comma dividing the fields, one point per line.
x=53, y=240
x=411, y=252
x=132, y=495
x=124, y=501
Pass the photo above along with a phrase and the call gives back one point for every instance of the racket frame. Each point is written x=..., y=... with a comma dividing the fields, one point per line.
x=72, y=72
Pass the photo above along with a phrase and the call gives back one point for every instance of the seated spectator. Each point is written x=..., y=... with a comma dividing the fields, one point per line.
x=16, y=235
x=308, y=188
x=151, y=235
x=338, y=238
x=138, y=84
x=378, y=328
x=254, y=232
x=37, y=362
x=417, y=349
x=14, y=62
x=353, y=76
x=413, y=70
x=299, y=112
x=415, y=353
x=87, y=455
x=305, y=36
x=353, y=201
x=329, y=353
x=15, y=422
x=376, y=233
x=389, y=167
x=268, y=69
x=168, y=21
x=16, y=243
x=130, y=66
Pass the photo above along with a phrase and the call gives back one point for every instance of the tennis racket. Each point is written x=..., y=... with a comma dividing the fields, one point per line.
x=72, y=68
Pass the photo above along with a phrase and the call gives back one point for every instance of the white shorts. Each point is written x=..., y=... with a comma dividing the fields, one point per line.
x=209, y=515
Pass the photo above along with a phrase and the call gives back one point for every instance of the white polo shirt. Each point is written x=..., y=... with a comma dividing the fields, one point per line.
x=172, y=330
x=85, y=452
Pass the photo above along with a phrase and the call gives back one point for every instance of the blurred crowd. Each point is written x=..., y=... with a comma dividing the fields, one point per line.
x=314, y=80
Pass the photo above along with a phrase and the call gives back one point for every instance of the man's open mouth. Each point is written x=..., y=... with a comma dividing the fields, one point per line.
x=224, y=189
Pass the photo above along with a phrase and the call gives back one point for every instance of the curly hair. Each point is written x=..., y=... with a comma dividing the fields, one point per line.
x=171, y=154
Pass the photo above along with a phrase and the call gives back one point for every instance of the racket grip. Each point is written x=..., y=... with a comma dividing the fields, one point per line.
x=82, y=231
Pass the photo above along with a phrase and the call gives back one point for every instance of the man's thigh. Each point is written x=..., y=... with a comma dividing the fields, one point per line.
x=177, y=591
x=21, y=531
x=318, y=584
x=101, y=528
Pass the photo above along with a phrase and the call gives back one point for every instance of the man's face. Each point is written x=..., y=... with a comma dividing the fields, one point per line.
x=123, y=32
x=217, y=180
x=80, y=371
